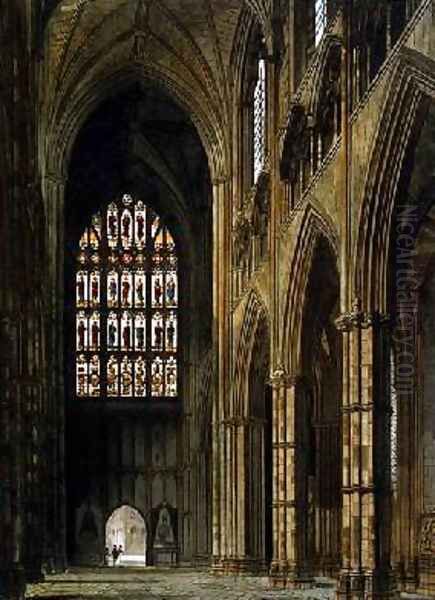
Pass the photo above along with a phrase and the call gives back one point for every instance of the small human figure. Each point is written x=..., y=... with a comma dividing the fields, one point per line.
x=94, y=381
x=139, y=292
x=112, y=334
x=106, y=557
x=112, y=290
x=120, y=551
x=111, y=222
x=94, y=290
x=80, y=289
x=156, y=380
x=126, y=225
x=115, y=554
x=140, y=336
x=95, y=330
x=170, y=291
x=140, y=378
x=171, y=382
x=111, y=378
x=157, y=291
x=125, y=291
x=126, y=380
x=81, y=333
x=126, y=336
x=158, y=335
x=170, y=335
x=140, y=226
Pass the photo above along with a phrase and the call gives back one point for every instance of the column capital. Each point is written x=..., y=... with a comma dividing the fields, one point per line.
x=358, y=319
x=281, y=379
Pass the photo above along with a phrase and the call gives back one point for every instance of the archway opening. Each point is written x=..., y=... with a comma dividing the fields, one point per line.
x=138, y=199
x=319, y=417
x=126, y=537
x=259, y=453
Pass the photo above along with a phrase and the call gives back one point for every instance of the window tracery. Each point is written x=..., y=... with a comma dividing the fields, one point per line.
x=126, y=305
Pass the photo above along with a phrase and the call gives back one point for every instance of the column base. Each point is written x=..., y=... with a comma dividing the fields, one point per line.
x=285, y=575
x=12, y=583
x=367, y=585
x=241, y=566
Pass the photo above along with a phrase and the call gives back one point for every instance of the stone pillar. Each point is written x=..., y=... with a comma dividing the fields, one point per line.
x=289, y=566
x=221, y=435
x=53, y=194
x=366, y=489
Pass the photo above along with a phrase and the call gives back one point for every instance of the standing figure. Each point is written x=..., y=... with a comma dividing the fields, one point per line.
x=126, y=220
x=126, y=379
x=94, y=289
x=140, y=336
x=81, y=329
x=115, y=554
x=156, y=381
x=139, y=292
x=112, y=290
x=125, y=292
x=106, y=557
x=111, y=221
x=80, y=290
x=112, y=334
x=170, y=291
x=140, y=226
x=140, y=378
x=126, y=336
x=170, y=333
x=171, y=381
x=111, y=378
x=158, y=335
x=94, y=380
x=157, y=292
x=95, y=330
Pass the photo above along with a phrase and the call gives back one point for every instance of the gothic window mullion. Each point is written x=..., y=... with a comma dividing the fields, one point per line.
x=104, y=268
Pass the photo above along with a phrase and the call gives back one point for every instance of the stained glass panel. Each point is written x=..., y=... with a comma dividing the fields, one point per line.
x=171, y=377
x=126, y=304
x=81, y=289
x=171, y=332
x=259, y=129
x=112, y=377
x=126, y=377
x=157, y=377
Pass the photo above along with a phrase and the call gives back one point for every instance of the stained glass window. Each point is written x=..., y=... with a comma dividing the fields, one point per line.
x=259, y=130
x=127, y=305
x=320, y=19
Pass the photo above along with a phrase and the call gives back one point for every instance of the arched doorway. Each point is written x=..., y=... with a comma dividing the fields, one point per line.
x=126, y=527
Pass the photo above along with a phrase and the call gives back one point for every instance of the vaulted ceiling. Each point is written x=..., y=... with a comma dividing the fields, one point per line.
x=185, y=45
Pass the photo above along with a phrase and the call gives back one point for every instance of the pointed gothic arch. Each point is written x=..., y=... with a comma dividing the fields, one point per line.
x=312, y=226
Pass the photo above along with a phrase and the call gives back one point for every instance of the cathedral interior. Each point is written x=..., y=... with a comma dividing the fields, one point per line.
x=217, y=296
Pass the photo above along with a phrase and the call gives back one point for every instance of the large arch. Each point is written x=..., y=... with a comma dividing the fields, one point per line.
x=313, y=224
x=412, y=84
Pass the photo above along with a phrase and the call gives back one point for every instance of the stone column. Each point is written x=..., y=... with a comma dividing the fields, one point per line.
x=288, y=565
x=53, y=194
x=366, y=489
x=221, y=436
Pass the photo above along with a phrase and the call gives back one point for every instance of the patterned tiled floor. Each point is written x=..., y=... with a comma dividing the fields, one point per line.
x=159, y=584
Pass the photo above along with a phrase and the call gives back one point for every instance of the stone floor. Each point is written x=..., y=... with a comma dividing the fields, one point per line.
x=159, y=584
